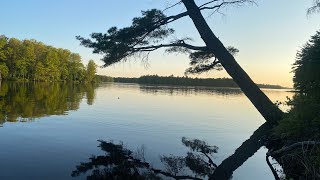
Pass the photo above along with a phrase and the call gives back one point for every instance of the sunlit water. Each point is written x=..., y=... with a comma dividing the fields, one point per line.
x=55, y=127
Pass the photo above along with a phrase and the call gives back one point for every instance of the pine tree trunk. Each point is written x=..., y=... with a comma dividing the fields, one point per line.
x=262, y=103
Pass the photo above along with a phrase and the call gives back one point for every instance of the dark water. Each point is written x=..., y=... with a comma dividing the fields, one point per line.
x=47, y=130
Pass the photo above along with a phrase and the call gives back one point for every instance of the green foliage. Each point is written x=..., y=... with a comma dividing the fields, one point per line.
x=3, y=42
x=303, y=120
x=4, y=71
x=101, y=78
x=33, y=60
x=91, y=71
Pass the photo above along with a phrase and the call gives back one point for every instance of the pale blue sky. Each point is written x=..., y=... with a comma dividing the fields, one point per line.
x=267, y=35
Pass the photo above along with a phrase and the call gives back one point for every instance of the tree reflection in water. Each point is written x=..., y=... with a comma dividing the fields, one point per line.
x=21, y=102
x=189, y=90
x=121, y=163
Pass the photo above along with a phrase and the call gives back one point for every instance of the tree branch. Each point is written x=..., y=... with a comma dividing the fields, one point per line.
x=284, y=149
x=208, y=3
x=210, y=160
x=172, y=6
x=202, y=7
x=292, y=146
x=155, y=47
x=162, y=22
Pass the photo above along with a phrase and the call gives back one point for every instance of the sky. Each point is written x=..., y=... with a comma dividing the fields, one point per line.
x=268, y=34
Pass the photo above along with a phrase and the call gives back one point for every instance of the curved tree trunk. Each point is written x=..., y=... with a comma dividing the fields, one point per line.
x=263, y=104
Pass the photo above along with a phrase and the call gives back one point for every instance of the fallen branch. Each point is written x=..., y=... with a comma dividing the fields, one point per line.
x=284, y=149
x=292, y=146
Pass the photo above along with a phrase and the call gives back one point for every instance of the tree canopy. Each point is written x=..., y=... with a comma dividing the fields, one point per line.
x=146, y=34
x=33, y=60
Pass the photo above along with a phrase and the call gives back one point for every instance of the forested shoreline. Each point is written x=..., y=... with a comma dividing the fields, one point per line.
x=180, y=81
x=31, y=60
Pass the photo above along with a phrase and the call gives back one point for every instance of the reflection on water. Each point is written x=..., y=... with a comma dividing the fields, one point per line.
x=20, y=102
x=189, y=90
x=118, y=162
x=72, y=117
x=122, y=163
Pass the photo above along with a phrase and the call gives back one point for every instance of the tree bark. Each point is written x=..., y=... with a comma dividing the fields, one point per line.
x=263, y=104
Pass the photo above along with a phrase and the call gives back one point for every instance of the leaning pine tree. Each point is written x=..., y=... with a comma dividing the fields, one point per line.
x=147, y=33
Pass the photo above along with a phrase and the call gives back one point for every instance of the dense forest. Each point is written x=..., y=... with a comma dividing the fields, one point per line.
x=181, y=81
x=30, y=60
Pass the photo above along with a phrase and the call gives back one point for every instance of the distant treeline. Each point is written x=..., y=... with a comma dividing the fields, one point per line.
x=181, y=81
x=33, y=60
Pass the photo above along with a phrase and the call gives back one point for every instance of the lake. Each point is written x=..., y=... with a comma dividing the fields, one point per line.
x=47, y=130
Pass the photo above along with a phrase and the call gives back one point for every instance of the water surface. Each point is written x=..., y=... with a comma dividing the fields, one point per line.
x=48, y=129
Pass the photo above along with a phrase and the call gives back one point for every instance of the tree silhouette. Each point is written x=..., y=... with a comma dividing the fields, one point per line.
x=122, y=163
x=315, y=7
x=148, y=32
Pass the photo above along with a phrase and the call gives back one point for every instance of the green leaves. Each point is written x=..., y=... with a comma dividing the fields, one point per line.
x=91, y=71
x=33, y=60
x=4, y=71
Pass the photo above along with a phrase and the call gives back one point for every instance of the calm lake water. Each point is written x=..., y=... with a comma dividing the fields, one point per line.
x=48, y=129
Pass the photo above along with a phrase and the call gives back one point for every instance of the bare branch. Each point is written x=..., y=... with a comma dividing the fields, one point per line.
x=224, y=3
x=208, y=3
x=172, y=6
